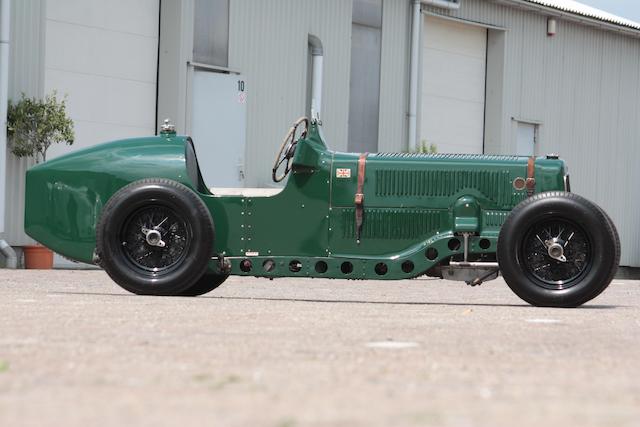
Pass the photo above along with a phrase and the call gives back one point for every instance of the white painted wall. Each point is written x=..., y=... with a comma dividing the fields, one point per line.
x=103, y=56
x=453, y=85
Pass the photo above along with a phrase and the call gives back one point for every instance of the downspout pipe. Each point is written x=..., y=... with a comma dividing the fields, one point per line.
x=9, y=254
x=416, y=24
x=5, y=34
x=317, y=55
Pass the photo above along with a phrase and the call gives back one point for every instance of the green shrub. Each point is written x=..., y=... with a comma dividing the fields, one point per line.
x=33, y=125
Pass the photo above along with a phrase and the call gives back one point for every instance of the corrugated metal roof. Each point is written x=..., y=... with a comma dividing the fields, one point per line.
x=574, y=7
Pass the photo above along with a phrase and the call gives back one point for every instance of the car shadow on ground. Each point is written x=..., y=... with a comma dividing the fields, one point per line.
x=454, y=304
x=338, y=301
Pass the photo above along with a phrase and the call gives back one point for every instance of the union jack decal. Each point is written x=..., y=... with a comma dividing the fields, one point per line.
x=343, y=173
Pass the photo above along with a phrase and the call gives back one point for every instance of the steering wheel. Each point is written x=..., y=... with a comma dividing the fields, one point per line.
x=288, y=148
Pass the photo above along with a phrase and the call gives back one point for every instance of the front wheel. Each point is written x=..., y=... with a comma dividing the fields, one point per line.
x=155, y=237
x=558, y=249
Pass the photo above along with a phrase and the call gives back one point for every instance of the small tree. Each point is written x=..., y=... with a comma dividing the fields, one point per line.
x=424, y=148
x=34, y=124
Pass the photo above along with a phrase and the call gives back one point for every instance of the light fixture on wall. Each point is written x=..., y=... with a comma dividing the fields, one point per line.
x=552, y=27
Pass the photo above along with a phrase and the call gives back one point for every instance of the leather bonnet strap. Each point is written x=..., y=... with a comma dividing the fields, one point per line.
x=359, y=199
x=531, y=180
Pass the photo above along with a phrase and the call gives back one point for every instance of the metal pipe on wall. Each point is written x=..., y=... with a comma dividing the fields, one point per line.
x=9, y=254
x=5, y=34
x=416, y=24
x=317, y=54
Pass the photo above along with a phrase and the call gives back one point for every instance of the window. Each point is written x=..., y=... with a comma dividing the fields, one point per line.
x=211, y=32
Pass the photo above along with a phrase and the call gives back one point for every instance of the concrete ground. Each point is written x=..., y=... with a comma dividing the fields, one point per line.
x=76, y=350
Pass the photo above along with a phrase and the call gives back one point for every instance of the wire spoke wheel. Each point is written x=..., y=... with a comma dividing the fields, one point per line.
x=145, y=253
x=155, y=237
x=556, y=253
x=558, y=249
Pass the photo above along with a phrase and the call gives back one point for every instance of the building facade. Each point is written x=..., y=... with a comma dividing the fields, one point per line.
x=494, y=76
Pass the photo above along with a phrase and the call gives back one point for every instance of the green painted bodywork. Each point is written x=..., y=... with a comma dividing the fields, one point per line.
x=412, y=202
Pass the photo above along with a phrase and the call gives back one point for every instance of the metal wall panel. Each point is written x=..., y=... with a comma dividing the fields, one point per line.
x=364, y=91
x=26, y=75
x=394, y=75
x=268, y=44
x=93, y=58
x=273, y=57
x=583, y=88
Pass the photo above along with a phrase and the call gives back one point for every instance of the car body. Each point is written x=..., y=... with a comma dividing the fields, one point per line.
x=436, y=214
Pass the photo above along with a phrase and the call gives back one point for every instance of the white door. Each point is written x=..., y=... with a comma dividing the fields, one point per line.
x=526, y=139
x=453, y=86
x=218, y=126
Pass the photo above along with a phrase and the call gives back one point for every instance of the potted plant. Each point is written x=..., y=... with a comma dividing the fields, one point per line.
x=33, y=125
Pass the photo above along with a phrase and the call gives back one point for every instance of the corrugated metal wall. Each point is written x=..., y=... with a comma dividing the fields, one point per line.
x=26, y=75
x=583, y=87
x=394, y=75
x=273, y=58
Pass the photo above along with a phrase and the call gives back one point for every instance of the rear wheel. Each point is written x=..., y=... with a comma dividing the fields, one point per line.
x=558, y=249
x=155, y=237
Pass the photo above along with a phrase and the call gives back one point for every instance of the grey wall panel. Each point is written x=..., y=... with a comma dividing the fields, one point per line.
x=583, y=87
x=268, y=45
x=26, y=75
x=394, y=75
x=364, y=90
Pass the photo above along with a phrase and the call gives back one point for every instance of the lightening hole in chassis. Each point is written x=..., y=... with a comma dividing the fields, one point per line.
x=454, y=244
x=381, y=269
x=269, y=265
x=407, y=266
x=485, y=243
x=321, y=267
x=295, y=266
x=346, y=267
x=245, y=265
x=431, y=254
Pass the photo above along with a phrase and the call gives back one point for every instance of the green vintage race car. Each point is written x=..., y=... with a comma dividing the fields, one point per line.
x=139, y=208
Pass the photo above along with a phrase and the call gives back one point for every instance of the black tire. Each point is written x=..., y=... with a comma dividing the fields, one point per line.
x=589, y=242
x=172, y=212
x=617, y=242
x=207, y=283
